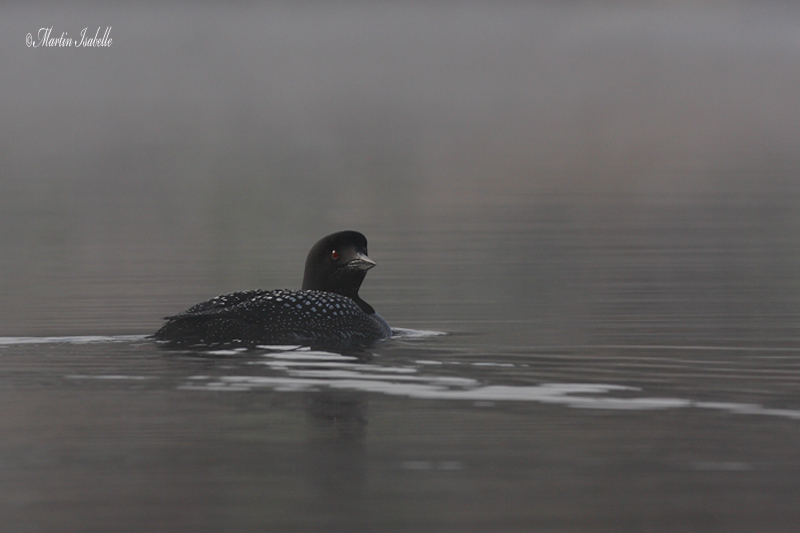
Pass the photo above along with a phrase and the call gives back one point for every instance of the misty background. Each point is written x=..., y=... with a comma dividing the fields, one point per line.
x=210, y=145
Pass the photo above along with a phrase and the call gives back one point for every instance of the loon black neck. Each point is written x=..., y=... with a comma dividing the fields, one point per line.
x=363, y=305
x=346, y=285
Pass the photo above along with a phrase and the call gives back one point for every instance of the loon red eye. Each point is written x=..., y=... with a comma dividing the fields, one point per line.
x=334, y=255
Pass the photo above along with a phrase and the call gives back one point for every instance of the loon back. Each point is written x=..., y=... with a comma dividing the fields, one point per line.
x=274, y=317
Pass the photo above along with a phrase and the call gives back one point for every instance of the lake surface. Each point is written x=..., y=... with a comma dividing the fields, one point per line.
x=636, y=374
x=586, y=220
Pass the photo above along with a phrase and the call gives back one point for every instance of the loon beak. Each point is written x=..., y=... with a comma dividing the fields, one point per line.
x=361, y=262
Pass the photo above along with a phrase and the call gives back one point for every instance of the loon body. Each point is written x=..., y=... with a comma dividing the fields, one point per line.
x=327, y=309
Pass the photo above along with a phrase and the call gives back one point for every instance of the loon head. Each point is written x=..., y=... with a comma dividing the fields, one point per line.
x=339, y=263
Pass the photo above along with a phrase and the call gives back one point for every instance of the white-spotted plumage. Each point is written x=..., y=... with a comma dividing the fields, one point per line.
x=327, y=310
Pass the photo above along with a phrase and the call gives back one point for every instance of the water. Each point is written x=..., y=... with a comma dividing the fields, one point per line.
x=641, y=375
x=597, y=205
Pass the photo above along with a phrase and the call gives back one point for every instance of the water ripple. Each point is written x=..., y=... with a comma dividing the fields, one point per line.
x=311, y=371
x=86, y=339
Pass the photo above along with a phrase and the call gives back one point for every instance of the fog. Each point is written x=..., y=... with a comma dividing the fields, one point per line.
x=210, y=144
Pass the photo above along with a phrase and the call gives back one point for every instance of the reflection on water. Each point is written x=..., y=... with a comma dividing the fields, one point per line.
x=303, y=369
x=428, y=421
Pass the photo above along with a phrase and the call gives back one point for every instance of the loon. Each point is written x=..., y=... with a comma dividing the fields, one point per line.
x=327, y=310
